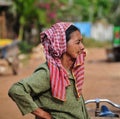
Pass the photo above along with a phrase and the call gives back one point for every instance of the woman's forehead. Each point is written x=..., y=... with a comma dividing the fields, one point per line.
x=76, y=34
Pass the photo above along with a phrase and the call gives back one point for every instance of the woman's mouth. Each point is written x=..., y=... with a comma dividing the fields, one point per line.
x=82, y=52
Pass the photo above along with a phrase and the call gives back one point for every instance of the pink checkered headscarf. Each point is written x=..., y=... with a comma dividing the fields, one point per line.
x=54, y=42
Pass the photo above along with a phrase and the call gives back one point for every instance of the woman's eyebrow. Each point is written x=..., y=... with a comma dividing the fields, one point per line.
x=81, y=39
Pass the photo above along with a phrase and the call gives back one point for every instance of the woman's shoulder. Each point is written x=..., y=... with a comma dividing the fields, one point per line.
x=42, y=66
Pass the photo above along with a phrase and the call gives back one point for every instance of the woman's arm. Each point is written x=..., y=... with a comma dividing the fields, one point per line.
x=41, y=114
x=23, y=91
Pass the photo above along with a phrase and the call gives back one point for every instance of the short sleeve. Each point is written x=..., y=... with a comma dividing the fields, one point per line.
x=24, y=91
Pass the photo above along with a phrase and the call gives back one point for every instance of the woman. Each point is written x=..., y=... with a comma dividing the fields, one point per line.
x=53, y=91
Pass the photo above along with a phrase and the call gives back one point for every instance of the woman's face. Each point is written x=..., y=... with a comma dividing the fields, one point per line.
x=75, y=46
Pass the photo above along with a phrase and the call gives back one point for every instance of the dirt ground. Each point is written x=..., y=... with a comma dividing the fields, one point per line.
x=102, y=80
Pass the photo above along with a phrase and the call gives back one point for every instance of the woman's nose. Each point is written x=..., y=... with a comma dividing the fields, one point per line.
x=81, y=46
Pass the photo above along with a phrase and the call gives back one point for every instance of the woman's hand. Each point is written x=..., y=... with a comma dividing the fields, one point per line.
x=41, y=114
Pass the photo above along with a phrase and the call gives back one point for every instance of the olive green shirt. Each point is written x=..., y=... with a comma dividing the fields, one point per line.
x=34, y=91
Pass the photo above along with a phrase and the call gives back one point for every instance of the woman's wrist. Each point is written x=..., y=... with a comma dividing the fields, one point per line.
x=41, y=114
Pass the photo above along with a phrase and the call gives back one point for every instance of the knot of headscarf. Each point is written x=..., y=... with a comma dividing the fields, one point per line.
x=54, y=42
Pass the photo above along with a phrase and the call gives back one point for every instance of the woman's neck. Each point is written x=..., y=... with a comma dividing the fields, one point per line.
x=67, y=62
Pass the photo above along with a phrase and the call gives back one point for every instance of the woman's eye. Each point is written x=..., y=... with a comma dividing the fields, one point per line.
x=78, y=42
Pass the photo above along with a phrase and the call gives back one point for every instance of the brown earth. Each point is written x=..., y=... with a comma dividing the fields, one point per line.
x=102, y=80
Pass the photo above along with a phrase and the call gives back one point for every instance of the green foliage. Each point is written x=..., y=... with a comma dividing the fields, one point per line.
x=66, y=10
x=25, y=10
x=85, y=10
x=25, y=47
x=114, y=15
x=42, y=17
x=43, y=13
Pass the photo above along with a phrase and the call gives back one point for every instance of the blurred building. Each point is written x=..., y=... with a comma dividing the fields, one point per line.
x=99, y=30
x=102, y=31
x=84, y=27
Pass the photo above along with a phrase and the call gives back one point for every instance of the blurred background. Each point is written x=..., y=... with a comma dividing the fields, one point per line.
x=24, y=20
x=21, y=22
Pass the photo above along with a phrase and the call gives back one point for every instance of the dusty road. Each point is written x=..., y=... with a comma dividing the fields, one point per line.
x=102, y=80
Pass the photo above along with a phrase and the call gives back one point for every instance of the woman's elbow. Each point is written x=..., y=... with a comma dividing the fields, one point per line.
x=13, y=91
